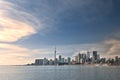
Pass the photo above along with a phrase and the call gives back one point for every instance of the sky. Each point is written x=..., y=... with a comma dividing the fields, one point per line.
x=30, y=29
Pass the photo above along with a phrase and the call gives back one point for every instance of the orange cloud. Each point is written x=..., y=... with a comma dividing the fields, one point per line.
x=114, y=47
x=13, y=30
x=15, y=24
x=11, y=47
x=11, y=54
x=14, y=54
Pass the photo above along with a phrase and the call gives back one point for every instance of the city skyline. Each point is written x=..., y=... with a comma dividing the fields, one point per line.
x=79, y=59
x=31, y=29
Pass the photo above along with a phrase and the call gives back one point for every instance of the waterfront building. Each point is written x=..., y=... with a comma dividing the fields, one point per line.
x=116, y=59
x=83, y=58
x=59, y=58
x=119, y=59
x=76, y=59
x=65, y=60
x=45, y=61
x=51, y=62
x=69, y=60
x=98, y=58
x=55, y=59
x=38, y=61
x=62, y=60
x=79, y=57
x=103, y=60
x=88, y=55
x=95, y=56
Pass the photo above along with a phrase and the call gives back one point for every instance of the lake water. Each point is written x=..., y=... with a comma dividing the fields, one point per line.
x=75, y=72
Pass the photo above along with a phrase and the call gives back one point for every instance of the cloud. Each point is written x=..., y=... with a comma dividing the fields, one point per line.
x=109, y=47
x=88, y=10
x=11, y=47
x=15, y=23
x=11, y=54
x=18, y=19
x=113, y=41
x=13, y=30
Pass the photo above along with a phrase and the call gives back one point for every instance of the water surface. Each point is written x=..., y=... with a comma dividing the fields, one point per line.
x=75, y=72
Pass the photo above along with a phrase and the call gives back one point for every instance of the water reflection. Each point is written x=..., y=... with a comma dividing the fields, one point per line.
x=59, y=73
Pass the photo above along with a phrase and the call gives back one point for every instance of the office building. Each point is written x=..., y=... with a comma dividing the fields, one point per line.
x=69, y=60
x=116, y=59
x=38, y=61
x=62, y=60
x=51, y=62
x=59, y=58
x=55, y=59
x=45, y=61
x=95, y=55
x=79, y=57
x=76, y=59
x=88, y=55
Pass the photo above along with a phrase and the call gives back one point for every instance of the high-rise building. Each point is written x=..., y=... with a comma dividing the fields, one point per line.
x=95, y=57
x=76, y=59
x=69, y=60
x=65, y=61
x=51, y=62
x=55, y=59
x=45, y=61
x=116, y=59
x=62, y=60
x=83, y=58
x=79, y=57
x=98, y=56
x=59, y=58
x=88, y=55
x=38, y=61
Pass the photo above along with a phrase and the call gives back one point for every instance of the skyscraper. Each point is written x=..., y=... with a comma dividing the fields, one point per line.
x=45, y=61
x=38, y=61
x=69, y=60
x=88, y=55
x=79, y=57
x=62, y=60
x=95, y=56
x=55, y=60
x=51, y=62
x=76, y=59
x=59, y=58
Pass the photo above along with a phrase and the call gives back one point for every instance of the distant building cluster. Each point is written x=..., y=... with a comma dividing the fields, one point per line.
x=111, y=61
x=86, y=58
x=81, y=58
x=57, y=61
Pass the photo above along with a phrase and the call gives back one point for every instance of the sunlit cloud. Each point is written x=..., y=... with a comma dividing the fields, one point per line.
x=13, y=30
x=114, y=47
x=11, y=47
x=11, y=54
x=14, y=23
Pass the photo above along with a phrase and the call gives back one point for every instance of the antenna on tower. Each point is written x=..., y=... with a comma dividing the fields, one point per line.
x=55, y=61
